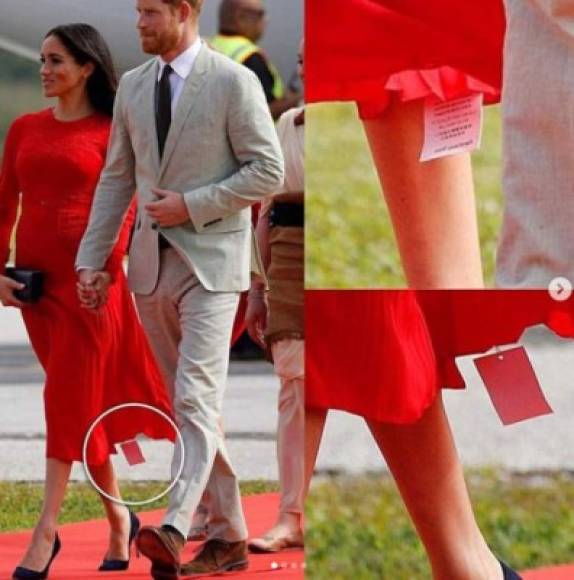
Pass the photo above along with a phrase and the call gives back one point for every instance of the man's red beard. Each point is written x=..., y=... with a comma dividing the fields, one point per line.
x=160, y=44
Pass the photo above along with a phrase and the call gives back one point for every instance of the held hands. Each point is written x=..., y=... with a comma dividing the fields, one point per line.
x=256, y=315
x=169, y=210
x=7, y=288
x=93, y=288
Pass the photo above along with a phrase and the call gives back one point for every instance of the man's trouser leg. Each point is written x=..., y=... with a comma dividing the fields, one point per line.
x=182, y=315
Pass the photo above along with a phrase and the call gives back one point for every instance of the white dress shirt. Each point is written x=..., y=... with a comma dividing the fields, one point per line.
x=182, y=66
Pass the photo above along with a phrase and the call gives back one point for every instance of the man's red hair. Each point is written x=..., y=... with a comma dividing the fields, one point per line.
x=195, y=4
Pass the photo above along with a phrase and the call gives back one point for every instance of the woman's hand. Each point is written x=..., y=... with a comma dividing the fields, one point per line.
x=7, y=288
x=93, y=288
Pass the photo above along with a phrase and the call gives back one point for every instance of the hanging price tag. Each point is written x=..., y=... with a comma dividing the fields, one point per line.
x=451, y=126
x=512, y=385
x=132, y=452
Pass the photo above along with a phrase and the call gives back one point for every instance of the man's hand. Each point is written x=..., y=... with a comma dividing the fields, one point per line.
x=256, y=315
x=7, y=287
x=168, y=211
x=93, y=288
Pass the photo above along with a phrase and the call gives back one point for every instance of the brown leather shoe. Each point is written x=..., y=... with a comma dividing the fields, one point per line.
x=162, y=547
x=215, y=557
x=270, y=543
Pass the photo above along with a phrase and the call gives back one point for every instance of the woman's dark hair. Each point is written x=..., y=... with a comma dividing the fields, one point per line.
x=86, y=44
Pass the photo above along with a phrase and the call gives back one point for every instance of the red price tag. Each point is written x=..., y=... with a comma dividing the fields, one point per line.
x=132, y=452
x=512, y=385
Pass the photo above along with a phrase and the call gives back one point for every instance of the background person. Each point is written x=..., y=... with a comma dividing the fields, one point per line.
x=241, y=25
x=277, y=320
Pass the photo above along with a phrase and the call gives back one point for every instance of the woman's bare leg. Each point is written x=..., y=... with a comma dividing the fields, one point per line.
x=117, y=514
x=40, y=548
x=423, y=460
x=432, y=204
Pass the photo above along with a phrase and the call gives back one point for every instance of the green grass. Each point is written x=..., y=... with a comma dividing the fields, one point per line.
x=350, y=242
x=358, y=528
x=20, y=503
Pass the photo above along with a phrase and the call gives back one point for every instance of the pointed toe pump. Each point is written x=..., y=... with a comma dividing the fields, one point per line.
x=119, y=565
x=26, y=574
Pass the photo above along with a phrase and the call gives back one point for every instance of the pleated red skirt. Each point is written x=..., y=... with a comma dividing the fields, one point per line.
x=384, y=354
x=463, y=322
x=368, y=353
x=366, y=50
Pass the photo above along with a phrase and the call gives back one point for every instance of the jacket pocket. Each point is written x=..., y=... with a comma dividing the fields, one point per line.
x=234, y=223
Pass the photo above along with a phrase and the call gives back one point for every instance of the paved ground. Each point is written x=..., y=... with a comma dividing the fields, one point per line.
x=250, y=415
x=11, y=328
x=249, y=419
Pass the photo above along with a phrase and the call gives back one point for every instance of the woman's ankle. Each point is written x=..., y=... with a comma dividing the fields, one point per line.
x=46, y=528
x=119, y=518
x=477, y=563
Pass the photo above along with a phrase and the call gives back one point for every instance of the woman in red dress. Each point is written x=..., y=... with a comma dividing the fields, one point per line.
x=372, y=353
x=93, y=361
x=392, y=57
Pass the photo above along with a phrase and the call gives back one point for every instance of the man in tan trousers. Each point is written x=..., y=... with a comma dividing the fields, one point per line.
x=536, y=242
x=192, y=134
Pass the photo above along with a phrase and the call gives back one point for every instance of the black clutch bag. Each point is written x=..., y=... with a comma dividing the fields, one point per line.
x=33, y=281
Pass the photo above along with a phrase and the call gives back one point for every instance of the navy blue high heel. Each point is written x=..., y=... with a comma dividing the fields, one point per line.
x=119, y=565
x=26, y=574
x=509, y=573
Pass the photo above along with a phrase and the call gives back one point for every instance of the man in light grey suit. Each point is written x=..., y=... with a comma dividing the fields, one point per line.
x=192, y=134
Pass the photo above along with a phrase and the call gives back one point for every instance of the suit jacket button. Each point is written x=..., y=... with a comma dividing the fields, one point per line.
x=155, y=226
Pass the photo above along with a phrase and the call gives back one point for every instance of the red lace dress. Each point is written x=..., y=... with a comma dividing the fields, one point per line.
x=366, y=50
x=92, y=361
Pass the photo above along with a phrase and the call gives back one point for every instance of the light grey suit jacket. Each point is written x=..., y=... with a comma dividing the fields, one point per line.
x=221, y=153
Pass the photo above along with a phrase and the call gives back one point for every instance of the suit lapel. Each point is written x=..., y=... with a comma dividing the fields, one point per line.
x=187, y=101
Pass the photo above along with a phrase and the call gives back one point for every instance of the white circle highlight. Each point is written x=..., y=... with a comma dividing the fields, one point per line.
x=101, y=418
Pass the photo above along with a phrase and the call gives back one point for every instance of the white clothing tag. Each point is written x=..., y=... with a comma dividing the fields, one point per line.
x=452, y=126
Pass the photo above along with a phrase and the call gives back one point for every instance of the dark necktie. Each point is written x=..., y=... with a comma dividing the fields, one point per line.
x=163, y=112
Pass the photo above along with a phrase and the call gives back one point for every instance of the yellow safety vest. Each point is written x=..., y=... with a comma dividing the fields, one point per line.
x=239, y=49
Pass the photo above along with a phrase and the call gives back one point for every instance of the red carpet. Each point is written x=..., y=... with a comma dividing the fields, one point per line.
x=84, y=544
x=557, y=573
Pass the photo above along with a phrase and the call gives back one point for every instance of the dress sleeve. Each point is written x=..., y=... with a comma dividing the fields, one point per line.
x=9, y=193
